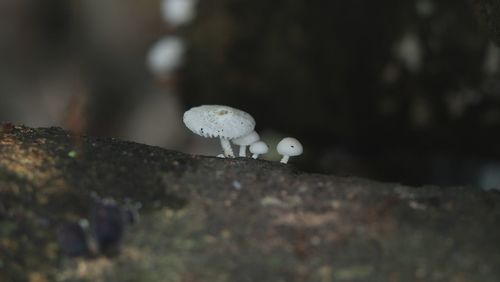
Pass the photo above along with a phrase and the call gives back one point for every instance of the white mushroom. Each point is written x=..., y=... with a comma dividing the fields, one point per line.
x=178, y=12
x=166, y=56
x=258, y=148
x=245, y=141
x=218, y=121
x=289, y=147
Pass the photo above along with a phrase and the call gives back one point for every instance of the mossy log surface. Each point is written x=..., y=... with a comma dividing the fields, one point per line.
x=210, y=219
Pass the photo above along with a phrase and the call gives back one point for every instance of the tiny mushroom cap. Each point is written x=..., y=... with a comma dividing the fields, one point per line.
x=245, y=141
x=216, y=121
x=258, y=148
x=289, y=147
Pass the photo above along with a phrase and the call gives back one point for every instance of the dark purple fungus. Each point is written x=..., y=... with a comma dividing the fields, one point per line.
x=72, y=240
x=107, y=226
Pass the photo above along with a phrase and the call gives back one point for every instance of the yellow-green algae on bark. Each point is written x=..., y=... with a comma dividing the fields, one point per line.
x=277, y=224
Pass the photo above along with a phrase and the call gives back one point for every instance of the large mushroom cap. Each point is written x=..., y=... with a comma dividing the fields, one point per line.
x=219, y=121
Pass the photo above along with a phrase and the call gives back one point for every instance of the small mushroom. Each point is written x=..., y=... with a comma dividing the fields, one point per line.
x=258, y=148
x=215, y=121
x=245, y=141
x=289, y=147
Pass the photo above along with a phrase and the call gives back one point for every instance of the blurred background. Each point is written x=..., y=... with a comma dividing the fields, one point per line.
x=395, y=90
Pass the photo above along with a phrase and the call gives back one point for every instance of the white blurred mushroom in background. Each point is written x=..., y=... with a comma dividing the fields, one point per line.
x=410, y=52
x=178, y=12
x=166, y=56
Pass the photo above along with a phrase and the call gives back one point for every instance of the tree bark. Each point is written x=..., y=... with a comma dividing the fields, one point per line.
x=212, y=219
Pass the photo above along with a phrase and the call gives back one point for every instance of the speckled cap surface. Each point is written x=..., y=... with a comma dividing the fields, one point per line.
x=218, y=121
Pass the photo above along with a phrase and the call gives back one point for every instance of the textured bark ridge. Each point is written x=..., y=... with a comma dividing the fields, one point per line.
x=69, y=213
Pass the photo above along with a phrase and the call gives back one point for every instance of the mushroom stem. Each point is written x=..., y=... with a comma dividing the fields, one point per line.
x=226, y=146
x=255, y=156
x=243, y=151
x=285, y=159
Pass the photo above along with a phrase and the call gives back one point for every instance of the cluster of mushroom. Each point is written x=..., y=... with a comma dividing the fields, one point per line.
x=236, y=126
